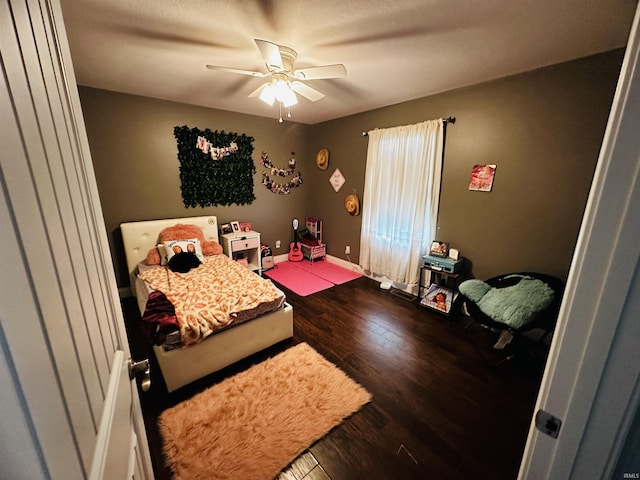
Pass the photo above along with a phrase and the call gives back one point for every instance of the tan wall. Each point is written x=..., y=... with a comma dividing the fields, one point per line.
x=135, y=157
x=543, y=129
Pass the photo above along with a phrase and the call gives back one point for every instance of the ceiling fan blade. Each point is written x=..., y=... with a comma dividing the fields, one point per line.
x=317, y=73
x=306, y=91
x=236, y=70
x=271, y=54
x=258, y=91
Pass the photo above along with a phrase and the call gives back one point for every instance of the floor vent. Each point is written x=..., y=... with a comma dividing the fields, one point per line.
x=402, y=294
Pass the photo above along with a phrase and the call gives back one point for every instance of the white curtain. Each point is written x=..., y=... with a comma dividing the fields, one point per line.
x=401, y=196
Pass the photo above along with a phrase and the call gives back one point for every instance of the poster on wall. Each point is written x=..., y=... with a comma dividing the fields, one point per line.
x=482, y=178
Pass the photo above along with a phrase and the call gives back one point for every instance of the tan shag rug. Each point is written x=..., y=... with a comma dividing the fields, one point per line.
x=254, y=424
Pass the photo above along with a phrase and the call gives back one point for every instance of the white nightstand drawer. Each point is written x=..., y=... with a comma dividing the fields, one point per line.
x=244, y=244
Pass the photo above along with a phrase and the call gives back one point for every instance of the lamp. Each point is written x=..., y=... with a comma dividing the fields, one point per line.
x=279, y=89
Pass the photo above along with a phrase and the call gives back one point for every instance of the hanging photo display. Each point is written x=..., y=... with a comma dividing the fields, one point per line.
x=279, y=187
x=216, y=168
x=216, y=153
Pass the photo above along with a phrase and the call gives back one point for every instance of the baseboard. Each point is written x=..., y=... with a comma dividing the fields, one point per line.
x=281, y=258
x=345, y=264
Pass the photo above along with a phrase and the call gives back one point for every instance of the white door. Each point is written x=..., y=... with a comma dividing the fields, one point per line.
x=69, y=410
x=592, y=380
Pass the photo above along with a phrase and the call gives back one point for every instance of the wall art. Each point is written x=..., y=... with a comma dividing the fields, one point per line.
x=216, y=167
x=282, y=188
x=482, y=178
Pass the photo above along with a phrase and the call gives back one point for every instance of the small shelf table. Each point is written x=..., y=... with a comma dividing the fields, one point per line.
x=441, y=282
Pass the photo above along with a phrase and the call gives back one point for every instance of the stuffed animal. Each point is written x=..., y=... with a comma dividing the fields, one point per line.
x=183, y=232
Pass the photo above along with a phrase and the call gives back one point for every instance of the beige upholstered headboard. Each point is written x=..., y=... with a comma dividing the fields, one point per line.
x=140, y=237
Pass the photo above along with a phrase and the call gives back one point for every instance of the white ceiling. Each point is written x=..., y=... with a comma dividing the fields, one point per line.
x=393, y=50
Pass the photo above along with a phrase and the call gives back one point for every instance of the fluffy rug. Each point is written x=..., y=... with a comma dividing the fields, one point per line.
x=254, y=424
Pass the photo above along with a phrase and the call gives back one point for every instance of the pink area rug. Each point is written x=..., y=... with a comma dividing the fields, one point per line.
x=328, y=271
x=305, y=278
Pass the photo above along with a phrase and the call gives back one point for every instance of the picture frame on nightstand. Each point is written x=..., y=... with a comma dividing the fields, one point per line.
x=439, y=249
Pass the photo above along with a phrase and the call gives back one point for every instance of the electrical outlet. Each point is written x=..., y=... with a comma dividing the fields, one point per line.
x=347, y=250
x=277, y=243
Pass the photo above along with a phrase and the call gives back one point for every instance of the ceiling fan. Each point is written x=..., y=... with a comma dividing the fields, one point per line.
x=283, y=80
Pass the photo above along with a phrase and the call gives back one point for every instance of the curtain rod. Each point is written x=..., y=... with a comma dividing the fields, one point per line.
x=444, y=120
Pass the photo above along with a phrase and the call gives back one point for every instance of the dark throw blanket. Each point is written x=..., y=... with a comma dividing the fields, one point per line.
x=159, y=318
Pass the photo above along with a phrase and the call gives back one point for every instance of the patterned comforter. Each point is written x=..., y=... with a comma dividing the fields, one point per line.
x=217, y=294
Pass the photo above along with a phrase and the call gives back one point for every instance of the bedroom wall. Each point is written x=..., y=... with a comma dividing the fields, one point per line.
x=543, y=129
x=135, y=157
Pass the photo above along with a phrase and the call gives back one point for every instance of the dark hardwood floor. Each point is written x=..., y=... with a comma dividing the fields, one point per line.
x=441, y=409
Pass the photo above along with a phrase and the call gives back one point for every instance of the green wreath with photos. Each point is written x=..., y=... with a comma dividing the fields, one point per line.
x=216, y=167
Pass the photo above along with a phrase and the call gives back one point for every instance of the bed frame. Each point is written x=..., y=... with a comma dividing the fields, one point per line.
x=185, y=365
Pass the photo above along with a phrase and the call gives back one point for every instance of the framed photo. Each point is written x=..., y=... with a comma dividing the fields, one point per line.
x=439, y=249
x=235, y=226
x=482, y=178
x=226, y=228
x=439, y=298
x=245, y=226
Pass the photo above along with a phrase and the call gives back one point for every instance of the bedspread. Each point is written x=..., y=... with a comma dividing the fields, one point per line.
x=212, y=296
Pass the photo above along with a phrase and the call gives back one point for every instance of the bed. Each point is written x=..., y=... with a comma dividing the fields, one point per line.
x=182, y=366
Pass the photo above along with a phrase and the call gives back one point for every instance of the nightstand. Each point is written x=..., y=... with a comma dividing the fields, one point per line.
x=244, y=247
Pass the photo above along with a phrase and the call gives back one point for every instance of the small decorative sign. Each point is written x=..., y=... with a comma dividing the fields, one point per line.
x=337, y=180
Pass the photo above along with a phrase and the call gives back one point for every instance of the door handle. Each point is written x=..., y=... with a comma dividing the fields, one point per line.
x=141, y=370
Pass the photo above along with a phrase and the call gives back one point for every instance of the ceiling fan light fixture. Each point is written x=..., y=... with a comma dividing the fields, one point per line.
x=282, y=89
x=268, y=94
x=290, y=98
x=284, y=81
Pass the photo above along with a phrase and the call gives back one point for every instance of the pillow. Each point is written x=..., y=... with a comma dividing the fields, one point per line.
x=178, y=232
x=514, y=305
x=163, y=253
x=474, y=289
x=173, y=247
